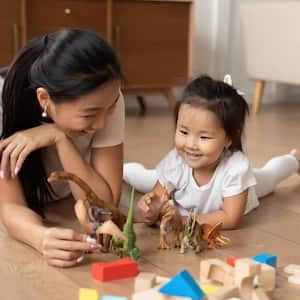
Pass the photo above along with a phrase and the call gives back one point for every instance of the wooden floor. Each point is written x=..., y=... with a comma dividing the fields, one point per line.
x=273, y=227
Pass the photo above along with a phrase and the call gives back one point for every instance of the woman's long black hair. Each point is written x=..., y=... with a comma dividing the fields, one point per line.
x=68, y=64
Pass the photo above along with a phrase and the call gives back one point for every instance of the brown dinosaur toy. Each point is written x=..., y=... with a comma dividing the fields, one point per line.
x=99, y=219
x=186, y=235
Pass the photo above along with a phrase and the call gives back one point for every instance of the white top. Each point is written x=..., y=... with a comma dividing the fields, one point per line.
x=111, y=135
x=232, y=176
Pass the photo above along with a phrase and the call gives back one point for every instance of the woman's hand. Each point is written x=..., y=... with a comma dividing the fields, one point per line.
x=18, y=146
x=65, y=247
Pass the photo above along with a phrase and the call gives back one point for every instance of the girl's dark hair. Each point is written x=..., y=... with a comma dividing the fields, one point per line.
x=68, y=64
x=223, y=100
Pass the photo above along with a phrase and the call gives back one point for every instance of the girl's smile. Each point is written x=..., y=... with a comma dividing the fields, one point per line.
x=200, y=139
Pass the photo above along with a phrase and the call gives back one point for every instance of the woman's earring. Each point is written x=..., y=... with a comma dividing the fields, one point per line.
x=44, y=113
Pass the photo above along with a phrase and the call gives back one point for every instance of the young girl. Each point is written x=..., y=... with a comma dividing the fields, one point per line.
x=62, y=109
x=207, y=170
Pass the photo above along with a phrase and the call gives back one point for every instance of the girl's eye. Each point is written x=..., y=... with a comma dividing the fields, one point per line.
x=183, y=132
x=203, y=137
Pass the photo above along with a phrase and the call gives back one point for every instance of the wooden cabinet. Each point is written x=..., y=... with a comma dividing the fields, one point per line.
x=10, y=39
x=50, y=15
x=153, y=38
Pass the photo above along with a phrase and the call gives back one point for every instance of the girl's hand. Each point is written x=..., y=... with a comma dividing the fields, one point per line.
x=150, y=205
x=65, y=247
x=18, y=146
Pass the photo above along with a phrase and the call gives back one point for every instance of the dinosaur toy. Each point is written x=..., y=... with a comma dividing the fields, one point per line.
x=189, y=234
x=127, y=247
x=195, y=236
x=170, y=221
x=99, y=219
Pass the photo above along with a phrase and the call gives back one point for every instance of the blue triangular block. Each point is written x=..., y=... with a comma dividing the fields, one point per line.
x=184, y=285
x=266, y=258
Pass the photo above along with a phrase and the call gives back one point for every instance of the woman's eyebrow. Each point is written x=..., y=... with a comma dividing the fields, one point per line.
x=95, y=108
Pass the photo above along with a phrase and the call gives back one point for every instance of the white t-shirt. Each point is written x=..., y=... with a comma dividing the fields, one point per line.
x=111, y=135
x=232, y=176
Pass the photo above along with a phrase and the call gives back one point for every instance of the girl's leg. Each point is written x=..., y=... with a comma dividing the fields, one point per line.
x=274, y=171
x=142, y=179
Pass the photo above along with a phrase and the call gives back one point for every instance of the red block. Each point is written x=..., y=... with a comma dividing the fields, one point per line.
x=231, y=261
x=122, y=268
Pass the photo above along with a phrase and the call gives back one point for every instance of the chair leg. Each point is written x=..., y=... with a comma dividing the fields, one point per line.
x=142, y=105
x=258, y=92
x=170, y=98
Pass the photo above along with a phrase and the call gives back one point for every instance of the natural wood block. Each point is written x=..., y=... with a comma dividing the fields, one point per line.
x=216, y=270
x=245, y=267
x=144, y=281
x=267, y=277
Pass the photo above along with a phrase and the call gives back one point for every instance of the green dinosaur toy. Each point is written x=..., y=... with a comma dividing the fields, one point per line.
x=127, y=248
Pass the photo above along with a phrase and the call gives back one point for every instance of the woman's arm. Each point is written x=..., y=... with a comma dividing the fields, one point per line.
x=20, y=221
x=108, y=162
x=230, y=214
x=104, y=173
x=60, y=247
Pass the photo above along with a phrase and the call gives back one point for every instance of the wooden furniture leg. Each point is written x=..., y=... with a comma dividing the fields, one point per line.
x=170, y=98
x=258, y=92
x=142, y=104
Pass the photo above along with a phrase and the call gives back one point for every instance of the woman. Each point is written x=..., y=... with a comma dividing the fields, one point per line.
x=62, y=109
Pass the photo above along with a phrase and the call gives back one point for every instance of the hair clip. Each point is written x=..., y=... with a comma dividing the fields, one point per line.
x=45, y=40
x=228, y=80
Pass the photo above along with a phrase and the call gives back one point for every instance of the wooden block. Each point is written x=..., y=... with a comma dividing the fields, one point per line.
x=225, y=293
x=209, y=289
x=88, y=294
x=292, y=268
x=154, y=294
x=216, y=270
x=107, y=271
x=294, y=279
x=259, y=294
x=267, y=278
x=231, y=261
x=144, y=281
x=245, y=267
x=108, y=297
x=266, y=258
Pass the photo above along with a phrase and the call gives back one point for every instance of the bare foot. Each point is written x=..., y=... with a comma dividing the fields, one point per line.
x=296, y=152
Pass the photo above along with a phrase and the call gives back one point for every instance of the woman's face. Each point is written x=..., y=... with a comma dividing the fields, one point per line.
x=88, y=113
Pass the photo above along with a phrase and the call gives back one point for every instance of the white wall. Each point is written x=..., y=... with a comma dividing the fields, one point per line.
x=219, y=47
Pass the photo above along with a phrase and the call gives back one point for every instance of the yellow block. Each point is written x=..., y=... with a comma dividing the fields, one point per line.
x=208, y=289
x=88, y=294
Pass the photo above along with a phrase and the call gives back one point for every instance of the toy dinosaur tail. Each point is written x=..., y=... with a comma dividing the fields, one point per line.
x=92, y=198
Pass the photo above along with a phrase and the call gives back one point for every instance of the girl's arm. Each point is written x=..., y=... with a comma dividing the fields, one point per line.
x=104, y=173
x=151, y=203
x=230, y=214
x=60, y=247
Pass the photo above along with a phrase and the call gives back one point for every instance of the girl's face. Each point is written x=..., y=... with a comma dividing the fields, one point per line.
x=200, y=139
x=88, y=113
